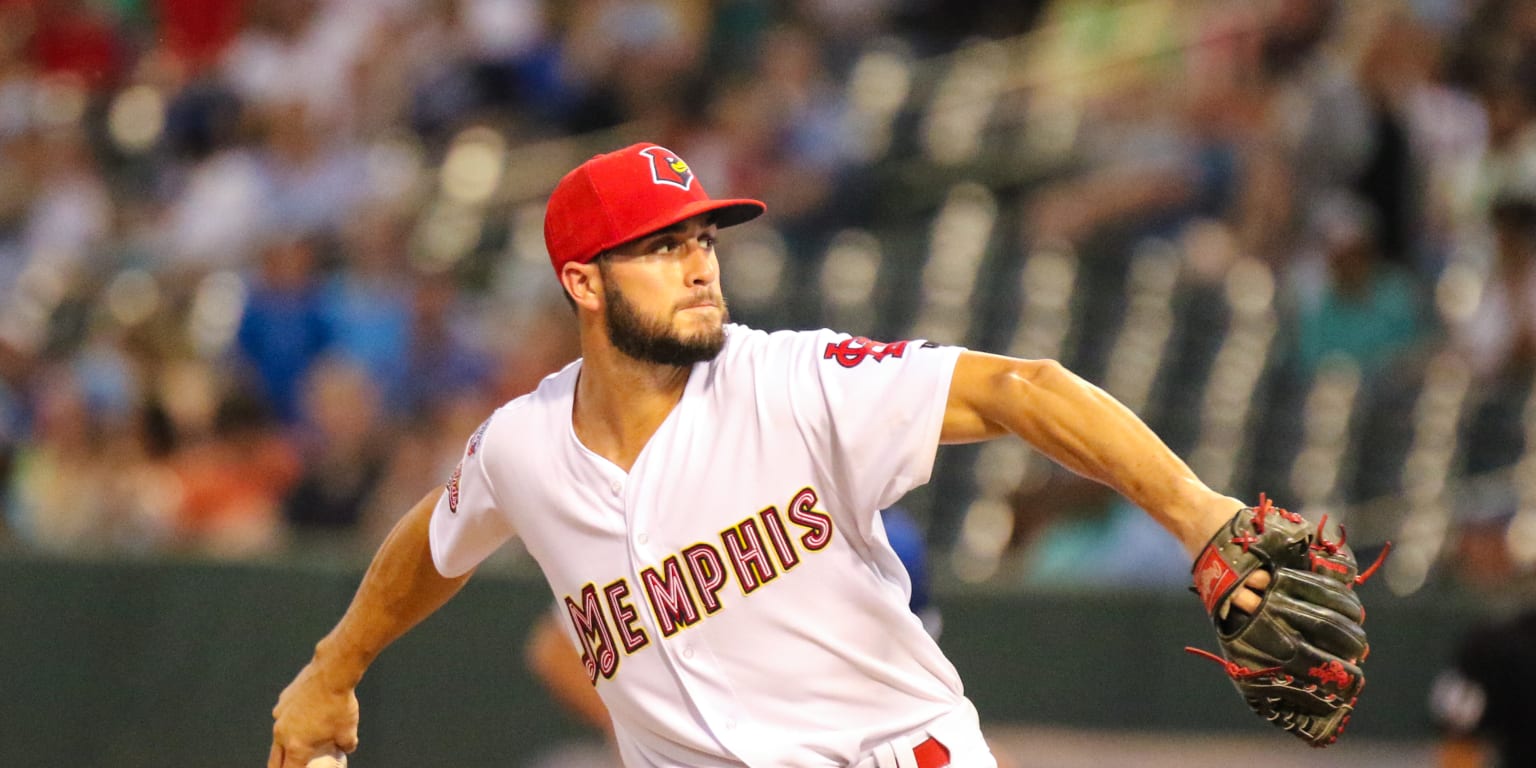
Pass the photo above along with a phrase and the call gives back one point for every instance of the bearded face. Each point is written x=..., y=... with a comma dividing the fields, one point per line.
x=656, y=339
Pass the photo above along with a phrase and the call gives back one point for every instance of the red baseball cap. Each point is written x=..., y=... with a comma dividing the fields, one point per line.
x=614, y=198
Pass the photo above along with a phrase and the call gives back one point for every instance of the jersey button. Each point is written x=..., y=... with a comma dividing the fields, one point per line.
x=617, y=487
x=687, y=651
x=642, y=538
x=730, y=725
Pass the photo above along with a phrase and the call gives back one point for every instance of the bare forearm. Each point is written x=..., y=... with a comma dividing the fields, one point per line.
x=1086, y=430
x=401, y=588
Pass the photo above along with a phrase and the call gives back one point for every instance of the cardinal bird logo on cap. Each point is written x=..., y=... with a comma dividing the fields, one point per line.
x=668, y=168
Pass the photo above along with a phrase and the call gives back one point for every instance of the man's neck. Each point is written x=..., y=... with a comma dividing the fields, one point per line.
x=621, y=401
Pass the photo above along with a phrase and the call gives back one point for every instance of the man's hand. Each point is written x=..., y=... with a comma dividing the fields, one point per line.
x=319, y=708
x=311, y=715
x=1210, y=514
x=1294, y=654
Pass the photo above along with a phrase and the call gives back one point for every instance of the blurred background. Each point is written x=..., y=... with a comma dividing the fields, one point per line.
x=265, y=264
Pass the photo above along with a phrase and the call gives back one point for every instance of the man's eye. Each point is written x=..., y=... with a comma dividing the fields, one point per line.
x=708, y=241
x=665, y=246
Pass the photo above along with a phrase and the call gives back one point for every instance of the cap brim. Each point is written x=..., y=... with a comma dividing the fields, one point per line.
x=728, y=213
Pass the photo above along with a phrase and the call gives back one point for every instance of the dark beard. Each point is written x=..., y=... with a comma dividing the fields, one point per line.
x=653, y=341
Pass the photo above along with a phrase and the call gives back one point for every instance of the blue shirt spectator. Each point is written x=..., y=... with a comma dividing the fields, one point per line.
x=284, y=327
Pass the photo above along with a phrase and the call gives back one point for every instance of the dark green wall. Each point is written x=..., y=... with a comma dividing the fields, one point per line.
x=154, y=664
x=1117, y=660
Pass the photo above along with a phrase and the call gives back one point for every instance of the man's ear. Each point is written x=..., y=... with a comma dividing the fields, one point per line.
x=583, y=283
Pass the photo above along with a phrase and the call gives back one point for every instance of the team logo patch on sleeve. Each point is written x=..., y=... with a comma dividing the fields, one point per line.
x=469, y=450
x=474, y=440
x=851, y=352
x=453, y=488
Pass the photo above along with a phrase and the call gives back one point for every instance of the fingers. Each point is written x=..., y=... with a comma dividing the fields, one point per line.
x=289, y=758
x=1246, y=598
x=311, y=720
x=295, y=755
x=289, y=752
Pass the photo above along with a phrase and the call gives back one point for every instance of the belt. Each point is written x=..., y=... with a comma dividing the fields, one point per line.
x=929, y=753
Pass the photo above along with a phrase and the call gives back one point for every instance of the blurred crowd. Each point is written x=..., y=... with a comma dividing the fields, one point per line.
x=253, y=282
x=1378, y=160
x=246, y=288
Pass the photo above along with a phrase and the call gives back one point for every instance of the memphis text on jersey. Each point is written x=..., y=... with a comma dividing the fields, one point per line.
x=684, y=588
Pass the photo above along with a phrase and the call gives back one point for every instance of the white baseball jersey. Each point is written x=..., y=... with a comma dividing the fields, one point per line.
x=733, y=596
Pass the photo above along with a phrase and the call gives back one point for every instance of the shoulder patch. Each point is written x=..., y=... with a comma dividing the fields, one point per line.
x=474, y=439
x=453, y=488
x=470, y=449
x=852, y=351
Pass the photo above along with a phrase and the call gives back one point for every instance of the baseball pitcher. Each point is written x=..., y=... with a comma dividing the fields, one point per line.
x=702, y=496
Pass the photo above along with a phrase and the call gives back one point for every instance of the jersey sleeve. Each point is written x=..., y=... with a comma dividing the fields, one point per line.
x=878, y=409
x=467, y=524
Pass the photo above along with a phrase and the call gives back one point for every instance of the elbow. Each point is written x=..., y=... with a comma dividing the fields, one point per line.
x=995, y=395
x=1021, y=389
x=1047, y=387
x=1020, y=378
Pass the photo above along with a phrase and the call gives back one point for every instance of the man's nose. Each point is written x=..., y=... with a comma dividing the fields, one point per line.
x=702, y=267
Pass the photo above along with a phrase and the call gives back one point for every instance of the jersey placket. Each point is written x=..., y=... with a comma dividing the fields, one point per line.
x=709, y=685
x=687, y=652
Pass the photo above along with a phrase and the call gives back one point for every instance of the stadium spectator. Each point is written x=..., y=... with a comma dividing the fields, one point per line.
x=1068, y=531
x=343, y=447
x=74, y=41
x=447, y=356
x=68, y=487
x=230, y=482
x=1351, y=301
x=270, y=121
x=1500, y=336
x=284, y=328
x=195, y=33
x=368, y=302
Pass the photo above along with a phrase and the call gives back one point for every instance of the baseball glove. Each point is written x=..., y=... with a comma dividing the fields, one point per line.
x=1296, y=660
